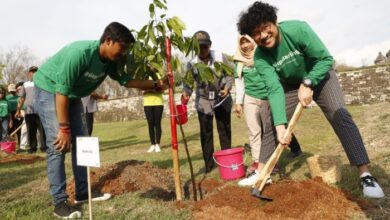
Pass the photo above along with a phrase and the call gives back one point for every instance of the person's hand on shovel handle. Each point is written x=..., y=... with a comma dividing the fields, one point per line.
x=281, y=133
x=305, y=95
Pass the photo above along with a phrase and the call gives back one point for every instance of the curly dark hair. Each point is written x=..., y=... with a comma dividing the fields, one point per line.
x=257, y=14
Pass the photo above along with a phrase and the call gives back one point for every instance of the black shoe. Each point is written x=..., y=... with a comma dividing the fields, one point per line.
x=65, y=210
x=43, y=150
x=32, y=151
x=96, y=196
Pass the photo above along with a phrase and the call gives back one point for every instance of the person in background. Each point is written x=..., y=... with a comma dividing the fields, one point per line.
x=90, y=107
x=298, y=68
x=211, y=98
x=23, y=131
x=33, y=123
x=251, y=96
x=12, y=99
x=154, y=108
x=72, y=73
x=5, y=116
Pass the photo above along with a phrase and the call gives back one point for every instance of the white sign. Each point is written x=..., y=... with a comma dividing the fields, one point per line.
x=88, y=151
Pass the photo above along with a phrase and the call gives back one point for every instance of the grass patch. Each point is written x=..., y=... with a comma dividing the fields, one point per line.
x=24, y=190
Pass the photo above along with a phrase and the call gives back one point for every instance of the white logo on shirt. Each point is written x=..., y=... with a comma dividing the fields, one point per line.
x=280, y=63
x=93, y=76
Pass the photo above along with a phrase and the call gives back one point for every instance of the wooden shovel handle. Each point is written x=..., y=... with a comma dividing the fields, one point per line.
x=266, y=170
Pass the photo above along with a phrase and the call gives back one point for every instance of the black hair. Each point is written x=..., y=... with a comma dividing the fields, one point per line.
x=3, y=91
x=118, y=33
x=257, y=14
x=33, y=69
x=19, y=84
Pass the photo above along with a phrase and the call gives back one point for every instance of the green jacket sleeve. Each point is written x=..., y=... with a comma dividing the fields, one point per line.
x=275, y=90
x=316, y=52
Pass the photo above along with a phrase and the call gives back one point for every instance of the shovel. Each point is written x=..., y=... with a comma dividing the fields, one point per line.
x=265, y=172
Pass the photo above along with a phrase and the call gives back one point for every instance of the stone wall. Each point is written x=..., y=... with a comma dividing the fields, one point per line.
x=366, y=86
x=125, y=109
x=362, y=86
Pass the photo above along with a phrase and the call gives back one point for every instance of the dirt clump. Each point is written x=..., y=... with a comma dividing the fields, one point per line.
x=130, y=176
x=19, y=158
x=309, y=199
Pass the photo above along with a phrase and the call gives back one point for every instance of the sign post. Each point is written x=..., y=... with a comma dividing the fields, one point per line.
x=88, y=156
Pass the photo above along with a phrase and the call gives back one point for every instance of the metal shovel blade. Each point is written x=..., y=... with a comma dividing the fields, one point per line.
x=256, y=193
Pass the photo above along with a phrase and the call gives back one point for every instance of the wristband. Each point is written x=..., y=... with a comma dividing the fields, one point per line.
x=65, y=130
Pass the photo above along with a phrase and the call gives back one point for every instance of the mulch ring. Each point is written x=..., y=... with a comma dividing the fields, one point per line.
x=18, y=158
x=309, y=199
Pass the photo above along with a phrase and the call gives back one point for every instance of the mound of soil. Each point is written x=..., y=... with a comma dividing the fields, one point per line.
x=19, y=158
x=310, y=199
x=131, y=176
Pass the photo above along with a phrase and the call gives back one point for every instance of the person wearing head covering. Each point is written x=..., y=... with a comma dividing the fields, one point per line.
x=298, y=68
x=251, y=96
x=211, y=98
x=33, y=123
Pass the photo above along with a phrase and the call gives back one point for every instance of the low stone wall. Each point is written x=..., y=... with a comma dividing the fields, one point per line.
x=125, y=109
x=364, y=86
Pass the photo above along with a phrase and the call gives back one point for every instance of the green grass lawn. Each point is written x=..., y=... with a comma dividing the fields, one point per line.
x=24, y=187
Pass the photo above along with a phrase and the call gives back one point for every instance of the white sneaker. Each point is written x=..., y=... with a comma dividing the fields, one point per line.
x=371, y=188
x=151, y=148
x=157, y=148
x=251, y=179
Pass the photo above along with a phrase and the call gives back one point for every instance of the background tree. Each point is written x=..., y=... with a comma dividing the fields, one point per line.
x=16, y=61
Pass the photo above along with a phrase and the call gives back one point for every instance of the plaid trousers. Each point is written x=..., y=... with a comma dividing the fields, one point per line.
x=329, y=97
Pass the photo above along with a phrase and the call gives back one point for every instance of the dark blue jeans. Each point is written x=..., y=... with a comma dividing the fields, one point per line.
x=45, y=107
x=4, y=128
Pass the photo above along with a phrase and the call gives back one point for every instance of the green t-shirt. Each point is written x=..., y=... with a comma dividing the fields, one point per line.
x=12, y=102
x=77, y=70
x=299, y=55
x=4, y=108
x=254, y=84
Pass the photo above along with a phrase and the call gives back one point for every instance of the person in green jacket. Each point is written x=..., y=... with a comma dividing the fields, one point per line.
x=297, y=67
x=74, y=72
x=251, y=96
x=5, y=115
x=12, y=99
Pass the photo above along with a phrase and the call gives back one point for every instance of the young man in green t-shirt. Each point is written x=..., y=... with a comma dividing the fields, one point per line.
x=74, y=72
x=297, y=67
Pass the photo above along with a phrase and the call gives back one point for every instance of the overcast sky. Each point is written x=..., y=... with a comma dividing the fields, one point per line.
x=353, y=30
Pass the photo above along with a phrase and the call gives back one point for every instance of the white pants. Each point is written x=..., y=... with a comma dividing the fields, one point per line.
x=252, y=107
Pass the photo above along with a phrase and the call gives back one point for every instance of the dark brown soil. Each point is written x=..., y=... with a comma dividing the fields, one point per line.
x=309, y=199
x=131, y=176
x=19, y=158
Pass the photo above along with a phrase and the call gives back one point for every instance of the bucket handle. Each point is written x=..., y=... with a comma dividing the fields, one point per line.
x=233, y=166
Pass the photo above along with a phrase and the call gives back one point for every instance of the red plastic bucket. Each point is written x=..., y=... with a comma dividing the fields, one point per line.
x=230, y=163
x=9, y=146
x=181, y=111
